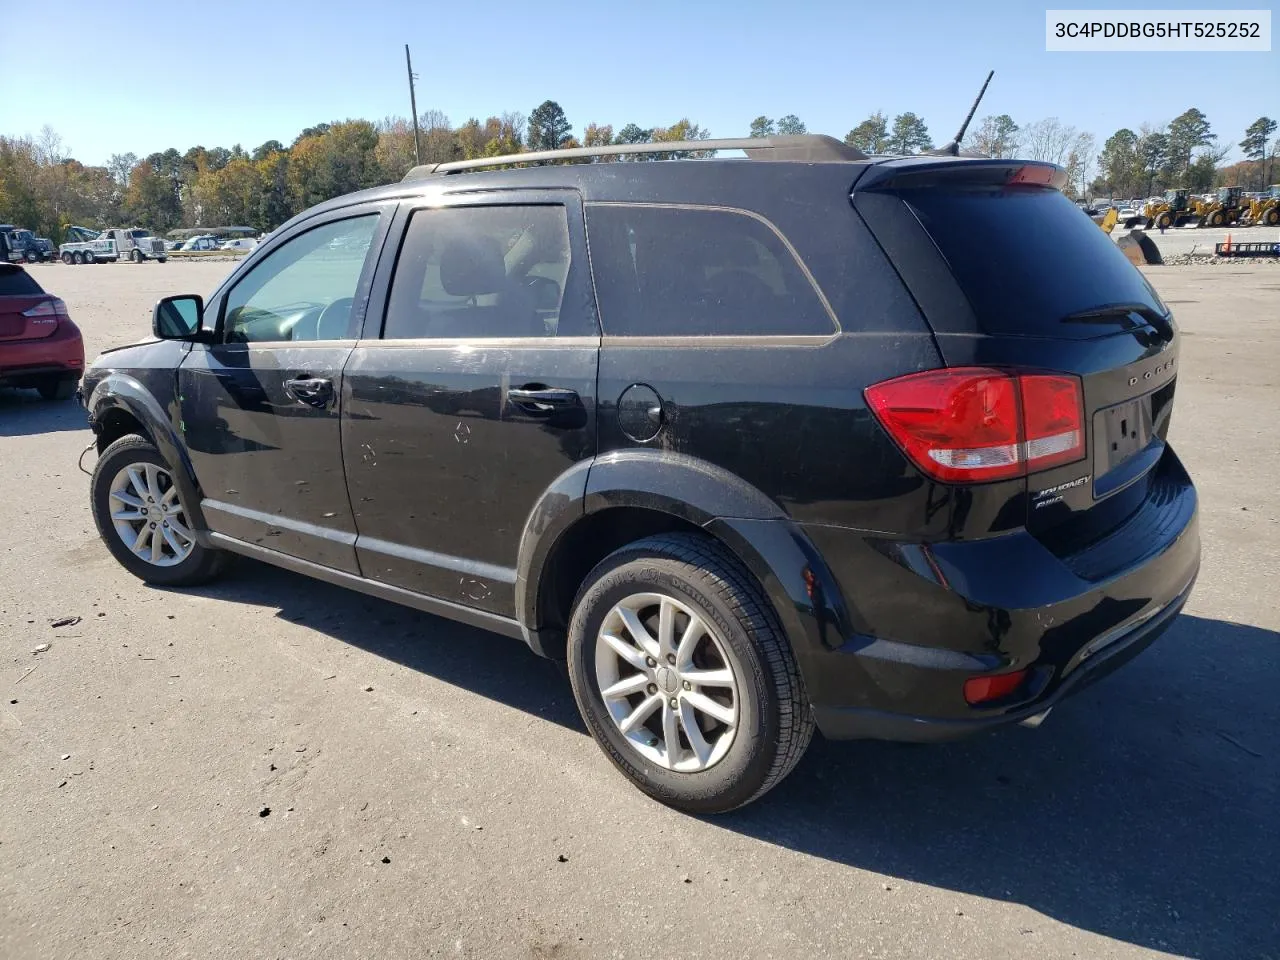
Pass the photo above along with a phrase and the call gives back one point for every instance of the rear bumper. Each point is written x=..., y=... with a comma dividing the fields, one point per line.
x=918, y=620
x=1117, y=649
x=61, y=354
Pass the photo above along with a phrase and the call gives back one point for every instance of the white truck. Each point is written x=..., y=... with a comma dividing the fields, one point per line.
x=135, y=244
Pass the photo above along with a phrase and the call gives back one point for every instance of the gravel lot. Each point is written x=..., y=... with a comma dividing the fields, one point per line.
x=457, y=808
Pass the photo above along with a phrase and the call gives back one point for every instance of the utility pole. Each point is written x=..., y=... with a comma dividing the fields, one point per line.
x=413, y=105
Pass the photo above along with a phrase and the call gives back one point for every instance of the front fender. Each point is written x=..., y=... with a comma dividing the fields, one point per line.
x=120, y=391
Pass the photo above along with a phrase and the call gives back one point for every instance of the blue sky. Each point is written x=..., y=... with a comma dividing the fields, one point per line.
x=152, y=75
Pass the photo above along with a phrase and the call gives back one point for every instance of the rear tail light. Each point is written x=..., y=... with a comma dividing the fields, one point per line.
x=974, y=424
x=53, y=308
x=992, y=687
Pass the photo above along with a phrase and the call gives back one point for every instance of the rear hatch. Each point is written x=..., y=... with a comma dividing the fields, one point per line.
x=1012, y=275
x=19, y=296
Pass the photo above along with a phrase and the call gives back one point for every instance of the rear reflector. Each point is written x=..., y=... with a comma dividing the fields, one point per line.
x=974, y=424
x=993, y=687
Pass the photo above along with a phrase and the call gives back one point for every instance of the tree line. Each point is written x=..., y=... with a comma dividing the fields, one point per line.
x=45, y=189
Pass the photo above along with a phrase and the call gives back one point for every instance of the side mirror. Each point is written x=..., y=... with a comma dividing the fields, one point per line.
x=178, y=318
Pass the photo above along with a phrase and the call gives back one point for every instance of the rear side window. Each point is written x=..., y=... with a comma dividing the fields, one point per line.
x=1027, y=257
x=697, y=272
x=17, y=283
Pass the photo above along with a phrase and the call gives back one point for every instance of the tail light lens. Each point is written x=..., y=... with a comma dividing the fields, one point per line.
x=974, y=424
x=52, y=307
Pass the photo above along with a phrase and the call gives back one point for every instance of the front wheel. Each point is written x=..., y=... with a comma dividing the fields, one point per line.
x=163, y=260
x=684, y=676
x=142, y=519
x=32, y=256
x=136, y=255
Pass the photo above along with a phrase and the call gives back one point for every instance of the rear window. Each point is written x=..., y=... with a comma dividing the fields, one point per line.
x=693, y=272
x=16, y=282
x=1026, y=258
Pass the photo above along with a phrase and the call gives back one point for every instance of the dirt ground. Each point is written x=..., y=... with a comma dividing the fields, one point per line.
x=268, y=767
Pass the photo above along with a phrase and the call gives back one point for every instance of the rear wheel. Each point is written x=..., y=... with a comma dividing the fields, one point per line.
x=684, y=676
x=57, y=388
x=68, y=259
x=142, y=519
x=1272, y=217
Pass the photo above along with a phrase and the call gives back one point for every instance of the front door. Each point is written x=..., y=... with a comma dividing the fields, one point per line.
x=479, y=393
x=261, y=406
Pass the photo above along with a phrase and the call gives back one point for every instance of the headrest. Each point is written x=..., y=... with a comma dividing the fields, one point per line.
x=471, y=266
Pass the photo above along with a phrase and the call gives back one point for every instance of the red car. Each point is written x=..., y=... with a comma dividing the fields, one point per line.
x=39, y=345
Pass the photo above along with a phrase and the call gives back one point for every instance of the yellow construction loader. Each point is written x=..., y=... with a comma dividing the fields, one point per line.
x=1224, y=210
x=1264, y=210
x=1172, y=211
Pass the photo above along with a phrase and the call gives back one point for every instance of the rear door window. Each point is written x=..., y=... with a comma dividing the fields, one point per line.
x=484, y=271
x=698, y=271
x=1027, y=258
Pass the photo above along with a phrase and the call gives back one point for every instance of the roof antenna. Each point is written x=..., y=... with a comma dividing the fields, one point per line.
x=952, y=149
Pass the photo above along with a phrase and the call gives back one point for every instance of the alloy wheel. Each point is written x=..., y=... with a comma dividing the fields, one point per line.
x=666, y=682
x=148, y=516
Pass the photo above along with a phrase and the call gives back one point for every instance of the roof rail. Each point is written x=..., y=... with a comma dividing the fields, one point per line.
x=810, y=148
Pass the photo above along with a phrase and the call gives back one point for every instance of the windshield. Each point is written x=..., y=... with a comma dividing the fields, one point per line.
x=139, y=233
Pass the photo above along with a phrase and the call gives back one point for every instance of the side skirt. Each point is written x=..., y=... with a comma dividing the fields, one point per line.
x=383, y=591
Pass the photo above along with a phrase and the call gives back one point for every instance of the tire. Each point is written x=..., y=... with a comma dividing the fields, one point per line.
x=57, y=389
x=1164, y=221
x=200, y=563
x=77, y=258
x=1215, y=219
x=68, y=259
x=1272, y=217
x=31, y=256
x=771, y=719
x=162, y=260
x=135, y=255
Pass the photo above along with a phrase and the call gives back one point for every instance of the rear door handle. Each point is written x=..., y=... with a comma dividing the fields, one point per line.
x=313, y=391
x=538, y=399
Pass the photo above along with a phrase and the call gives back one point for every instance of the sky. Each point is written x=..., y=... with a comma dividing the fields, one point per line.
x=142, y=77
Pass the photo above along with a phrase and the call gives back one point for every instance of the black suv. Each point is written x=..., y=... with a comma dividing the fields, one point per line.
x=876, y=444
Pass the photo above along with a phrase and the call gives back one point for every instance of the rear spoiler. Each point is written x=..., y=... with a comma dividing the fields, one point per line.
x=920, y=172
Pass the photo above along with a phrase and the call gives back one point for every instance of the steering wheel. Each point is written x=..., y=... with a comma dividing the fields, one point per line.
x=337, y=316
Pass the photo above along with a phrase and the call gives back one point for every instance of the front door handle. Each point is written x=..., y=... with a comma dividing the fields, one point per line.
x=313, y=391
x=534, y=398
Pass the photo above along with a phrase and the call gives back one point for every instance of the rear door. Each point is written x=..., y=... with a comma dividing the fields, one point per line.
x=261, y=405
x=478, y=394
x=1011, y=274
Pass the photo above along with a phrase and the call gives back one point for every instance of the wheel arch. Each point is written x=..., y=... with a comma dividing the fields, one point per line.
x=120, y=405
x=598, y=507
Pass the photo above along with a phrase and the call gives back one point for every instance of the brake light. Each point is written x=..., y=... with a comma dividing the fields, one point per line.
x=53, y=307
x=974, y=424
x=1040, y=175
x=992, y=687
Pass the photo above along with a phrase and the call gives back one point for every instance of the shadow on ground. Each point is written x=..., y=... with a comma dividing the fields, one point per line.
x=25, y=413
x=1147, y=809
